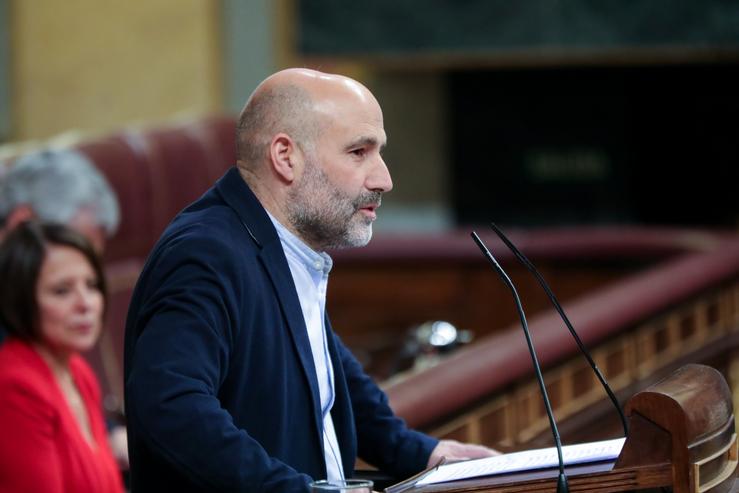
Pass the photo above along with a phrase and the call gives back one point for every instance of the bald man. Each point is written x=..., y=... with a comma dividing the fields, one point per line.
x=235, y=380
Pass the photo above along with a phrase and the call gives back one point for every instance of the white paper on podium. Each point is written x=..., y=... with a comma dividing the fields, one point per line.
x=525, y=461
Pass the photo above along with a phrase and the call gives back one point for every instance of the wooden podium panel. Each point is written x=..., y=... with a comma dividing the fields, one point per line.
x=681, y=437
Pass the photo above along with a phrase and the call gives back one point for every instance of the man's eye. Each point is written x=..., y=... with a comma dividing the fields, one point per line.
x=358, y=152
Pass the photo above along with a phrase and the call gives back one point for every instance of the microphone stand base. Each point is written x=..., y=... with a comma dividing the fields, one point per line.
x=562, y=486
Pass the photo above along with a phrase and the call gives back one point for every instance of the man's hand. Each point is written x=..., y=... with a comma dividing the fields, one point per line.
x=453, y=450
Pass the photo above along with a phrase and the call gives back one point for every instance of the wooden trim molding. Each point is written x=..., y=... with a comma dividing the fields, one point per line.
x=636, y=327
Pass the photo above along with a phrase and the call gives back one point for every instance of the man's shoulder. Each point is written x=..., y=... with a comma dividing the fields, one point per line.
x=211, y=239
x=215, y=221
x=212, y=217
x=205, y=225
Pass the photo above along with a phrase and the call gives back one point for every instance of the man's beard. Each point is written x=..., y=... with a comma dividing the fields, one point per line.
x=324, y=216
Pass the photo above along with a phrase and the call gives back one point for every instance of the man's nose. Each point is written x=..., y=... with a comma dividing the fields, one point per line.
x=379, y=179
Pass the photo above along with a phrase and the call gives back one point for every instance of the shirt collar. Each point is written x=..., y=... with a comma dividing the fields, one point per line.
x=312, y=260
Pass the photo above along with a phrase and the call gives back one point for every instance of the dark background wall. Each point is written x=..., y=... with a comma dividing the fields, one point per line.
x=414, y=27
x=648, y=144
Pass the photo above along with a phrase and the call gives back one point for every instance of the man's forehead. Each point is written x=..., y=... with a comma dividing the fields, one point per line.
x=352, y=121
x=344, y=105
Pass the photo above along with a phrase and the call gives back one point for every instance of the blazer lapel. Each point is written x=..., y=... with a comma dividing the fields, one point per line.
x=273, y=259
x=237, y=194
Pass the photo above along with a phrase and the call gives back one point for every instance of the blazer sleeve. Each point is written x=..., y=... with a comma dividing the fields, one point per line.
x=180, y=360
x=383, y=439
x=29, y=461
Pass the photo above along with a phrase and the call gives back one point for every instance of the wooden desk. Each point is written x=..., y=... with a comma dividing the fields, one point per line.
x=681, y=436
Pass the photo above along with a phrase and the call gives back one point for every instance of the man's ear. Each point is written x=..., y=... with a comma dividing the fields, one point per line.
x=20, y=214
x=285, y=157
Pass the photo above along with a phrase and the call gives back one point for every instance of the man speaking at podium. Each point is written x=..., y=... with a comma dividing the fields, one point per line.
x=235, y=380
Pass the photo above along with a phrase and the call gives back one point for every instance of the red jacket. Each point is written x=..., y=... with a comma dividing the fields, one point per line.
x=41, y=446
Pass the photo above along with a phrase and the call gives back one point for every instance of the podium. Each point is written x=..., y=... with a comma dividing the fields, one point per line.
x=681, y=438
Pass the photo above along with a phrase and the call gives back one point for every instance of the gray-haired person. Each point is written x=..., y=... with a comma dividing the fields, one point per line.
x=60, y=186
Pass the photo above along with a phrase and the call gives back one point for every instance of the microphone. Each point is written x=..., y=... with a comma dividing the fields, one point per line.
x=530, y=266
x=562, y=485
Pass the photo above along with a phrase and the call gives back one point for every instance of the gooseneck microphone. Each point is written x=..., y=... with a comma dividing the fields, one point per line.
x=530, y=266
x=562, y=486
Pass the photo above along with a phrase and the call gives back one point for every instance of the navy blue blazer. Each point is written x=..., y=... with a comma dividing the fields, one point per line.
x=220, y=387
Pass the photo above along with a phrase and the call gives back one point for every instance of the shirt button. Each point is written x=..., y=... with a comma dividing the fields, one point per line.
x=318, y=265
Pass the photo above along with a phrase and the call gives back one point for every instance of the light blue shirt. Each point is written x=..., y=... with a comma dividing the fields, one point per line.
x=309, y=271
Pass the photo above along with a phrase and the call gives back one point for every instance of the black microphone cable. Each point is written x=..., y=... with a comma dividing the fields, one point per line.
x=562, y=486
x=530, y=266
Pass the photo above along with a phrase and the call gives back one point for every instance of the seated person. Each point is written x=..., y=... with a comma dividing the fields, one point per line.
x=52, y=300
x=62, y=186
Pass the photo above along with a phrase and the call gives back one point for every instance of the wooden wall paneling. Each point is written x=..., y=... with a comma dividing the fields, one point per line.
x=730, y=313
x=574, y=390
x=497, y=422
x=375, y=305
